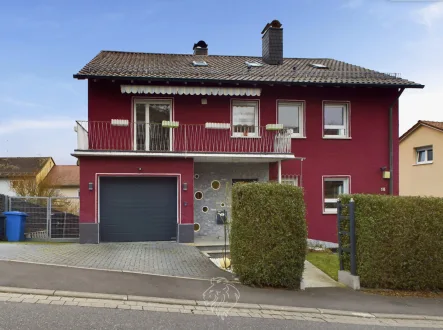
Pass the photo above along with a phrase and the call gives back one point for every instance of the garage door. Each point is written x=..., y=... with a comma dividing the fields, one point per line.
x=135, y=209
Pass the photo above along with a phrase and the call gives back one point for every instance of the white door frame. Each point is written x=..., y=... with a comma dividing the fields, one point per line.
x=147, y=102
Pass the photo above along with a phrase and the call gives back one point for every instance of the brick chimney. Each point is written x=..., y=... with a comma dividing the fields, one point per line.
x=200, y=48
x=272, y=43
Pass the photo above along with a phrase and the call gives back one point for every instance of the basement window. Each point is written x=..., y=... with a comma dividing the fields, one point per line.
x=199, y=63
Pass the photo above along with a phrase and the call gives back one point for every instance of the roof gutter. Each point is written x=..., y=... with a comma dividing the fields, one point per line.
x=391, y=142
x=200, y=80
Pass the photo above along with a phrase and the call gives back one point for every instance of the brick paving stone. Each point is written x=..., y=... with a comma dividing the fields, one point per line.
x=71, y=303
x=15, y=299
x=57, y=302
x=164, y=258
x=30, y=301
x=138, y=308
x=43, y=301
x=123, y=307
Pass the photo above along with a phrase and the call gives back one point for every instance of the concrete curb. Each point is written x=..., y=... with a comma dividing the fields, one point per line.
x=172, y=301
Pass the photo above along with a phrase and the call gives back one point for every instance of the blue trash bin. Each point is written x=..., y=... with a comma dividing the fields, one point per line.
x=15, y=226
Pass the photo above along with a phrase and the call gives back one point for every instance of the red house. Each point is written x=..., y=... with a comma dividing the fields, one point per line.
x=168, y=134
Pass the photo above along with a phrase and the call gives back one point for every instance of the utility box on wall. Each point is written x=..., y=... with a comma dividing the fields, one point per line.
x=221, y=217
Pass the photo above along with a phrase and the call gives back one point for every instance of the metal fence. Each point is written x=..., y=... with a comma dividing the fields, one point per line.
x=346, y=235
x=49, y=218
x=152, y=137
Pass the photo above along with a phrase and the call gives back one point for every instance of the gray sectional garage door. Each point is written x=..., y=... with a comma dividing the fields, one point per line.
x=136, y=209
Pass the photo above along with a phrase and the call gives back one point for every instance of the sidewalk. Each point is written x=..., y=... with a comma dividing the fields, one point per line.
x=71, y=279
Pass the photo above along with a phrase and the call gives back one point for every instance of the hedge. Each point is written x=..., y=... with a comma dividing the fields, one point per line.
x=268, y=234
x=399, y=241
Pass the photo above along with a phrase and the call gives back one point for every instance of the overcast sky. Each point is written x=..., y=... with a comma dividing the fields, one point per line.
x=44, y=42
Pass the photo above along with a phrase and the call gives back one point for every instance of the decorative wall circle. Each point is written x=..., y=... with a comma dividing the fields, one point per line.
x=215, y=185
x=198, y=195
x=196, y=226
x=196, y=176
x=205, y=209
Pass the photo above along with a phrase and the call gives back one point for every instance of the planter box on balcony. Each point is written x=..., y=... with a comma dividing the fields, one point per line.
x=170, y=124
x=218, y=125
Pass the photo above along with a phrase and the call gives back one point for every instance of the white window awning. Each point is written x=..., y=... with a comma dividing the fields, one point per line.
x=188, y=90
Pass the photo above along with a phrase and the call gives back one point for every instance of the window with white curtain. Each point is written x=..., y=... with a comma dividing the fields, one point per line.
x=245, y=118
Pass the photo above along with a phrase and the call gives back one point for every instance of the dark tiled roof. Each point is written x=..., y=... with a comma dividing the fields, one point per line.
x=113, y=64
x=21, y=166
x=64, y=176
x=434, y=124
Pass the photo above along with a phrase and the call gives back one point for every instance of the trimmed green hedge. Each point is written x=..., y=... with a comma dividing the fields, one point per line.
x=399, y=241
x=268, y=234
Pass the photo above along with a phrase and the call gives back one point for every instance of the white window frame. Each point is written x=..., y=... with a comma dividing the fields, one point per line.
x=346, y=122
x=256, y=105
x=425, y=149
x=301, y=116
x=146, y=102
x=346, y=190
x=290, y=181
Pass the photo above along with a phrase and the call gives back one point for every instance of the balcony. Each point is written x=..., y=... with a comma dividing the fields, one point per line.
x=171, y=139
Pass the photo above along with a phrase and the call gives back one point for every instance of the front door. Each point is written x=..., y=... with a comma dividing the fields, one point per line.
x=150, y=135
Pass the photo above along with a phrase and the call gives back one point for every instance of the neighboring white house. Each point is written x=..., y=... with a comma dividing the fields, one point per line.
x=5, y=187
x=65, y=178
x=17, y=168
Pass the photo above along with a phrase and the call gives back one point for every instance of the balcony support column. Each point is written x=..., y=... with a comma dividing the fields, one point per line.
x=279, y=171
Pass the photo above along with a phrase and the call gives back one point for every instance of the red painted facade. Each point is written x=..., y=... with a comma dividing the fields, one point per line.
x=92, y=168
x=359, y=157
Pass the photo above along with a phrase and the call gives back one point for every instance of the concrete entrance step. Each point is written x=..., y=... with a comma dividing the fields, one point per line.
x=218, y=253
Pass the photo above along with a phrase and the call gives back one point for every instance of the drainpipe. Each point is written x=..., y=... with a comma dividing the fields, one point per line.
x=391, y=144
x=279, y=171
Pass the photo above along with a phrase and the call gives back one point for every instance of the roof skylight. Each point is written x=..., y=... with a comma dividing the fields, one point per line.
x=199, y=63
x=253, y=64
x=319, y=66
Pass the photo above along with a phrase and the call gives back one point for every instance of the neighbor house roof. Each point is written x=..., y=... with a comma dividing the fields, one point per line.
x=21, y=166
x=438, y=125
x=233, y=69
x=64, y=176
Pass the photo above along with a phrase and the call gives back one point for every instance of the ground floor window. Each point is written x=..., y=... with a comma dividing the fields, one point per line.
x=290, y=181
x=332, y=188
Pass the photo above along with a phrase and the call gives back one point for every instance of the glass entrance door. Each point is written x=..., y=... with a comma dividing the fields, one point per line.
x=150, y=135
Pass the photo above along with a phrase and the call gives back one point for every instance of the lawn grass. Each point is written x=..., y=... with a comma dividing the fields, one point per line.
x=326, y=262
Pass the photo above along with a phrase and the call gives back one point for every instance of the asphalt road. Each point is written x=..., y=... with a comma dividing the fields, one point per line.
x=18, y=316
x=71, y=279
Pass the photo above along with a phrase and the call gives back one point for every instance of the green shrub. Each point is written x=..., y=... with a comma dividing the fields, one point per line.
x=268, y=234
x=399, y=241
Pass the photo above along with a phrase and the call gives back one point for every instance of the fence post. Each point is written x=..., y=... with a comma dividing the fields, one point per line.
x=49, y=217
x=352, y=236
x=339, y=208
x=7, y=201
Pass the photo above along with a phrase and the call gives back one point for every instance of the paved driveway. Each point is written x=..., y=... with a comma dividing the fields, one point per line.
x=160, y=258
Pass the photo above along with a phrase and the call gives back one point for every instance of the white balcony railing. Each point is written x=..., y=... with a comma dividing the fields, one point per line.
x=204, y=138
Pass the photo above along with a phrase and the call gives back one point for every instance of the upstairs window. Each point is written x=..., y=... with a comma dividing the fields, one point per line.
x=244, y=118
x=290, y=114
x=335, y=120
x=424, y=155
